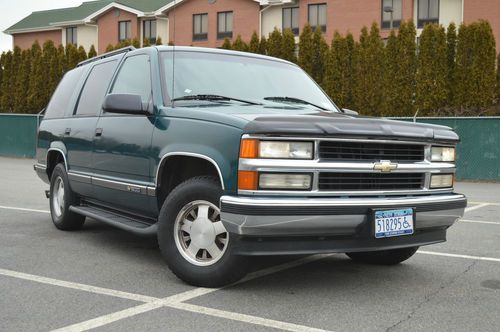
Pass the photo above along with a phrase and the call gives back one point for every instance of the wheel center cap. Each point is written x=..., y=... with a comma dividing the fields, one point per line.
x=202, y=233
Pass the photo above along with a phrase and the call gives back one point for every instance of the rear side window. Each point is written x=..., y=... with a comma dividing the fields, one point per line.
x=94, y=91
x=134, y=77
x=60, y=101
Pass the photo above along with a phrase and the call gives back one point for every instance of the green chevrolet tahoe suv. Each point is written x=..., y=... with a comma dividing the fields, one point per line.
x=224, y=155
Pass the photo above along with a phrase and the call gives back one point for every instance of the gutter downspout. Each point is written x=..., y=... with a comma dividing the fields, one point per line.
x=261, y=12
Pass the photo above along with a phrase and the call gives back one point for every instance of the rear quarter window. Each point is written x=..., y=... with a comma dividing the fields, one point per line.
x=62, y=97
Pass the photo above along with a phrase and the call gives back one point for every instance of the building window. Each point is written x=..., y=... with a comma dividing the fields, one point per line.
x=149, y=31
x=317, y=16
x=291, y=19
x=71, y=36
x=428, y=12
x=224, y=25
x=200, y=26
x=124, y=30
x=392, y=12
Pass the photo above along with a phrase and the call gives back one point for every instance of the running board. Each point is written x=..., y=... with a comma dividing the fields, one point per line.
x=116, y=220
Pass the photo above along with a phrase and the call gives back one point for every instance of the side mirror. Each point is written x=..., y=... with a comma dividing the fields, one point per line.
x=349, y=112
x=124, y=104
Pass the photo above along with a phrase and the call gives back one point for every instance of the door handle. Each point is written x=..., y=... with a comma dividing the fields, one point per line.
x=67, y=131
x=98, y=132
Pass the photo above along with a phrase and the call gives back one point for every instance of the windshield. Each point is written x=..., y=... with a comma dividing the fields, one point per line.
x=246, y=78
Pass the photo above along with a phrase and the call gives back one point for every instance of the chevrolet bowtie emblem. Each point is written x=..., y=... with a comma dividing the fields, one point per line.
x=385, y=166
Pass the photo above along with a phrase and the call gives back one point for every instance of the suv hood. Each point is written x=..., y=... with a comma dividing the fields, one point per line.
x=302, y=121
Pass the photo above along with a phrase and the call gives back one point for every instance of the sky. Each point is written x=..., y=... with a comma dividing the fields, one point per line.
x=12, y=11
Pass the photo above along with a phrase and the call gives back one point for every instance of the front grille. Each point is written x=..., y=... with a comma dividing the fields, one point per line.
x=352, y=151
x=370, y=181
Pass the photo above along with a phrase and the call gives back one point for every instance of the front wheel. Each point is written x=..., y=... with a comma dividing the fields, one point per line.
x=383, y=257
x=193, y=239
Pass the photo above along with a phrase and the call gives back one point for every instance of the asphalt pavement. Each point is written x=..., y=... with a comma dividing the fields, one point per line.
x=105, y=279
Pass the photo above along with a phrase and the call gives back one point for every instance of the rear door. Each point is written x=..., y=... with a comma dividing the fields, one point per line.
x=80, y=128
x=122, y=148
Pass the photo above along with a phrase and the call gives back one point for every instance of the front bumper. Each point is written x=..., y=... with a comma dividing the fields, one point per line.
x=305, y=225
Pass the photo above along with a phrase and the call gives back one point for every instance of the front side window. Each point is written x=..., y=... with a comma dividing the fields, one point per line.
x=291, y=19
x=225, y=25
x=124, y=30
x=200, y=26
x=392, y=13
x=248, y=78
x=317, y=16
x=149, y=29
x=134, y=77
x=428, y=12
x=71, y=36
x=94, y=91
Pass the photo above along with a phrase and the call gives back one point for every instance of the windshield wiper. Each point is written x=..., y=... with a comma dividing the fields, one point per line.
x=214, y=98
x=296, y=101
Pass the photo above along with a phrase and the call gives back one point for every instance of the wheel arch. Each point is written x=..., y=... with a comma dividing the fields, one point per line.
x=53, y=157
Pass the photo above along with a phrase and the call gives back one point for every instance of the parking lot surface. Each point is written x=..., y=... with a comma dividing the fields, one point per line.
x=105, y=279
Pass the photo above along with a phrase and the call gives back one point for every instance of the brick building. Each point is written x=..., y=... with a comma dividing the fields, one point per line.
x=208, y=22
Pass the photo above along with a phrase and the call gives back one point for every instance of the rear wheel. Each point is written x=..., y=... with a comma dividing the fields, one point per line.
x=383, y=257
x=61, y=198
x=193, y=239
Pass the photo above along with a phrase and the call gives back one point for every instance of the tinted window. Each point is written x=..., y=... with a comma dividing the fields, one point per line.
x=61, y=98
x=93, y=93
x=134, y=77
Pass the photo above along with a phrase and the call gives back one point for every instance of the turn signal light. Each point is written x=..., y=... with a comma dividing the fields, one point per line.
x=249, y=148
x=248, y=180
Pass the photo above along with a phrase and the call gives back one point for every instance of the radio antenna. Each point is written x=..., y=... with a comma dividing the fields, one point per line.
x=173, y=56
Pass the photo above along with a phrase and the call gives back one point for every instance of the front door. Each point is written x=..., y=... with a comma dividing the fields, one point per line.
x=121, y=156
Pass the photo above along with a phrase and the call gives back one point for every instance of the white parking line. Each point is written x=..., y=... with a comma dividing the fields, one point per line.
x=23, y=209
x=475, y=207
x=479, y=222
x=77, y=286
x=479, y=258
x=244, y=318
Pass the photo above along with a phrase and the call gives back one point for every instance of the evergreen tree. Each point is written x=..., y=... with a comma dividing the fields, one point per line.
x=254, y=44
x=109, y=48
x=36, y=88
x=170, y=43
x=319, y=56
x=50, y=68
x=274, y=44
x=61, y=60
x=136, y=43
x=391, y=69
x=6, y=101
x=306, y=49
x=72, y=57
x=263, y=45
x=227, y=44
x=22, y=83
x=498, y=79
x=406, y=66
x=431, y=92
x=240, y=45
x=82, y=55
x=451, y=46
x=368, y=66
x=159, y=41
x=13, y=92
x=476, y=56
x=2, y=58
x=288, y=46
x=338, y=70
x=146, y=43
x=92, y=52
x=55, y=72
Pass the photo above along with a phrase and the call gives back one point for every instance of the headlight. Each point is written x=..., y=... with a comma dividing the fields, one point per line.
x=439, y=153
x=441, y=181
x=251, y=148
x=275, y=181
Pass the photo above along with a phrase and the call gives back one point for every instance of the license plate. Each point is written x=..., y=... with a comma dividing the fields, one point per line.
x=389, y=223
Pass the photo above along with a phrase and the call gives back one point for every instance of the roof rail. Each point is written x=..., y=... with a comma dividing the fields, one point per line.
x=106, y=55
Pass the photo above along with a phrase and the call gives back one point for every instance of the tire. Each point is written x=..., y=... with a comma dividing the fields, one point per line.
x=61, y=198
x=189, y=222
x=383, y=257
